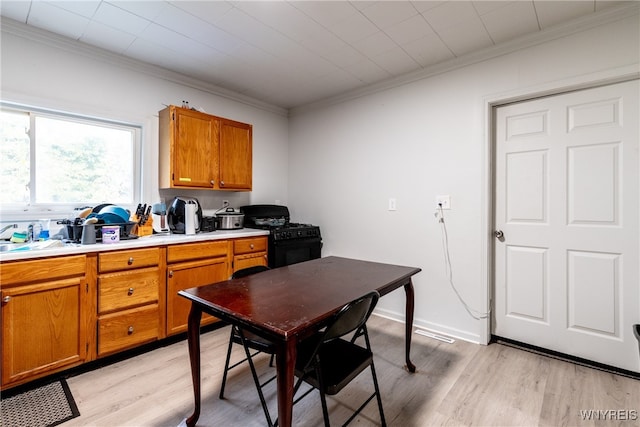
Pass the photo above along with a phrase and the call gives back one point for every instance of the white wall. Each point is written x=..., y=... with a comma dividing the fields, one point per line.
x=423, y=139
x=337, y=166
x=45, y=70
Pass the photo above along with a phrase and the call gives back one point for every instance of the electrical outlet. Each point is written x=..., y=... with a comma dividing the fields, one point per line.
x=392, y=204
x=443, y=201
x=225, y=203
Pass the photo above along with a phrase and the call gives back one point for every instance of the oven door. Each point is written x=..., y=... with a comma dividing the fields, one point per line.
x=287, y=252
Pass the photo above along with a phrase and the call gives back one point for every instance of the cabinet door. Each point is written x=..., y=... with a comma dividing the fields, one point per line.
x=42, y=328
x=190, y=275
x=235, y=155
x=195, y=149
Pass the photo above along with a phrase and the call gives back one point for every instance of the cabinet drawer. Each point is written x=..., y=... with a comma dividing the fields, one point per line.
x=128, y=289
x=127, y=260
x=191, y=251
x=245, y=246
x=129, y=328
x=24, y=272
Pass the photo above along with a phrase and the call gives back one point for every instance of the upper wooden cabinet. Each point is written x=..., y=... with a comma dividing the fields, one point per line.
x=201, y=151
x=235, y=168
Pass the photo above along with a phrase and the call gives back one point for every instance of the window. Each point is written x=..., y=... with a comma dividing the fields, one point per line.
x=52, y=161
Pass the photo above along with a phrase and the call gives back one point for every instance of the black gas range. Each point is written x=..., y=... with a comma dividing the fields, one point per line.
x=289, y=242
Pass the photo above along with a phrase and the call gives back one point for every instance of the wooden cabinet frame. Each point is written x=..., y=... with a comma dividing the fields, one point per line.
x=201, y=151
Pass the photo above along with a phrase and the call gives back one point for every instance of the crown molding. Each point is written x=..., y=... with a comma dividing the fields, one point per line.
x=39, y=35
x=575, y=26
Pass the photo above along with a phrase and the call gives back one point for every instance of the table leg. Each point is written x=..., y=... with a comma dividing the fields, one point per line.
x=285, y=365
x=408, y=289
x=193, y=336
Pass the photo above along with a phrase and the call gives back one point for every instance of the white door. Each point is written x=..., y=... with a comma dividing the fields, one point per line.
x=566, y=200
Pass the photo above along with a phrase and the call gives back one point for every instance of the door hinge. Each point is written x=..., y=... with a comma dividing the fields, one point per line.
x=173, y=116
x=87, y=287
x=87, y=347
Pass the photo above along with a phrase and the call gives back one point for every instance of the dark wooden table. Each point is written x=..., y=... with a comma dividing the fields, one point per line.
x=288, y=304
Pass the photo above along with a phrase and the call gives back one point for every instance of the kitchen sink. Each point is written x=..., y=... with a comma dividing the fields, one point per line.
x=5, y=247
x=31, y=246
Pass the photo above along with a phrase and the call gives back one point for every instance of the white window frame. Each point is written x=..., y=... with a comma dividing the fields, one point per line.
x=30, y=211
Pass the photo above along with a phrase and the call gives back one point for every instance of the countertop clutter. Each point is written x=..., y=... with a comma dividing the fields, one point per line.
x=142, y=242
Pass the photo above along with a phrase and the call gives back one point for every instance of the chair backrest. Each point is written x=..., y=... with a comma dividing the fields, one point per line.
x=351, y=317
x=249, y=271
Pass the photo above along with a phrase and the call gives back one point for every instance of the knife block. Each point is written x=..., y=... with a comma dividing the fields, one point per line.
x=142, y=230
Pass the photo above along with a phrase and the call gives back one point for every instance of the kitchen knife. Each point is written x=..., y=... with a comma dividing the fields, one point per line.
x=145, y=217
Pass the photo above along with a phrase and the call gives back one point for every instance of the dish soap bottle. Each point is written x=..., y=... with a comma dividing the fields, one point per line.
x=44, y=229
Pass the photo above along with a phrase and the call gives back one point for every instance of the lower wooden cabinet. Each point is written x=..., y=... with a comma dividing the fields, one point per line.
x=44, y=317
x=130, y=299
x=188, y=266
x=64, y=311
x=249, y=252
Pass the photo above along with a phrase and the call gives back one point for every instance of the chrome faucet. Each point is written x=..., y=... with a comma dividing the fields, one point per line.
x=3, y=229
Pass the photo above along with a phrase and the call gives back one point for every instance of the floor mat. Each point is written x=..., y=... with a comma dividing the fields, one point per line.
x=44, y=406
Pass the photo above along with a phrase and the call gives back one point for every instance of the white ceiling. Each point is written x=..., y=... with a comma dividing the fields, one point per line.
x=292, y=53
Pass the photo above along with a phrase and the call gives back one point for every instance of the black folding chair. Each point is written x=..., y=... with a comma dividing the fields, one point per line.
x=328, y=362
x=250, y=342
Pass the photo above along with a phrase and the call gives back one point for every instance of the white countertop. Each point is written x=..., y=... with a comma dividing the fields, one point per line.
x=141, y=242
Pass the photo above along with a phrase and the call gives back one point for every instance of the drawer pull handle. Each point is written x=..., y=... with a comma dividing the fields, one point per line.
x=130, y=292
x=130, y=261
x=130, y=330
x=6, y=299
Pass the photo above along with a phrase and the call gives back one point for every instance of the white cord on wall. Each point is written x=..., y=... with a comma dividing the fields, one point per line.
x=448, y=269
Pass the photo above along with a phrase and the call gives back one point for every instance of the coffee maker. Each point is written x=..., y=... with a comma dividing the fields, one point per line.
x=177, y=215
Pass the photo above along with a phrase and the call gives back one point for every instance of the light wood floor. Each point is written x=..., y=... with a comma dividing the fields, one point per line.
x=456, y=384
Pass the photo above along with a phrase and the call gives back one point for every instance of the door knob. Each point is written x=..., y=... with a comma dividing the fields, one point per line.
x=499, y=235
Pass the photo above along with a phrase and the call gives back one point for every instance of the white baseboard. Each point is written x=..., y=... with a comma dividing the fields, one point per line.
x=430, y=326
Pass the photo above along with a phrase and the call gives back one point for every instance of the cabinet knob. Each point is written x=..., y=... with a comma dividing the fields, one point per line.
x=251, y=246
x=221, y=183
x=6, y=298
x=212, y=182
x=170, y=273
x=130, y=261
x=130, y=330
x=130, y=292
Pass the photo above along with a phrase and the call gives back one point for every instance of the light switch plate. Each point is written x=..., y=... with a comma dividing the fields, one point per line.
x=392, y=204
